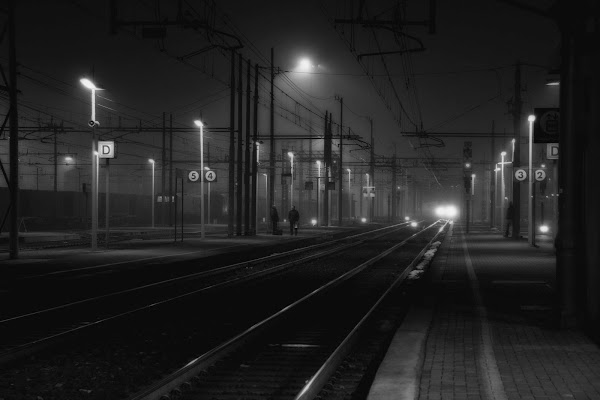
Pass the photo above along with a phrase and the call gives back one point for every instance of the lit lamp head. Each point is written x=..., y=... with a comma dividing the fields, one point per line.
x=503, y=153
x=291, y=154
x=207, y=168
x=349, y=170
x=88, y=84
x=531, y=118
x=198, y=123
x=151, y=161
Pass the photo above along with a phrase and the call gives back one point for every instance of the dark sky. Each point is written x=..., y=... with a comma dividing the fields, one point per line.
x=462, y=80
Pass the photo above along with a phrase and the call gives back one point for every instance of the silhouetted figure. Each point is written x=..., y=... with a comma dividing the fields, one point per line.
x=509, y=217
x=274, y=219
x=293, y=217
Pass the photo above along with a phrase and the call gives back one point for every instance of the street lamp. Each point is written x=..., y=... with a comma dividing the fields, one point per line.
x=503, y=154
x=92, y=123
x=292, y=186
x=151, y=161
x=208, y=169
x=531, y=218
x=473, y=185
x=349, y=195
x=318, y=190
x=201, y=126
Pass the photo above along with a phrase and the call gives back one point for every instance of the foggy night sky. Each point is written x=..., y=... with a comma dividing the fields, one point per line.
x=468, y=63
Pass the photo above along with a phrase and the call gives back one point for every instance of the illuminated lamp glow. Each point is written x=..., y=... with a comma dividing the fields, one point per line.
x=413, y=224
x=544, y=228
x=313, y=222
x=363, y=220
x=406, y=218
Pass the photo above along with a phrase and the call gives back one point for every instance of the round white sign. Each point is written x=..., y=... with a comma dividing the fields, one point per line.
x=193, y=176
x=539, y=174
x=210, y=176
x=520, y=175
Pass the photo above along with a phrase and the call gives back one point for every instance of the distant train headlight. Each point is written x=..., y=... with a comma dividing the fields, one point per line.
x=313, y=222
x=413, y=224
x=407, y=218
x=440, y=211
x=451, y=211
x=544, y=228
x=363, y=220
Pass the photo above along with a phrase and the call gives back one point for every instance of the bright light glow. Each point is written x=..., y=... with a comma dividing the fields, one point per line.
x=348, y=169
x=472, y=175
x=531, y=118
x=198, y=123
x=88, y=84
x=68, y=159
x=313, y=222
x=553, y=83
x=305, y=65
x=290, y=154
x=544, y=228
x=363, y=220
x=318, y=163
x=413, y=224
x=207, y=169
x=497, y=169
x=447, y=212
x=467, y=165
x=513, y=141
x=503, y=153
x=95, y=153
x=543, y=165
x=151, y=161
x=406, y=218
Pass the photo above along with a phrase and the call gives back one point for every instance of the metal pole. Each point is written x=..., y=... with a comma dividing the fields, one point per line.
x=152, y=198
x=240, y=157
x=530, y=200
x=209, y=203
x=267, y=201
x=318, y=190
x=502, y=189
x=202, y=181
x=292, y=185
x=340, y=172
x=14, y=135
x=94, y=176
x=272, y=136
x=107, y=206
x=231, y=200
x=349, y=196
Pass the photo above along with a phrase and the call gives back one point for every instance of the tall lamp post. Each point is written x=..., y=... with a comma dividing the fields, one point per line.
x=349, y=195
x=472, y=194
x=531, y=217
x=368, y=201
x=201, y=126
x=92, y=123
x=318, y=190
x=151, y=161
x=503, y=154
x=292, y=186
x=208, y=169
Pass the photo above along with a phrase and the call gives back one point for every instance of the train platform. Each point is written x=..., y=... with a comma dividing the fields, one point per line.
x=142, y=244
x=485, y=329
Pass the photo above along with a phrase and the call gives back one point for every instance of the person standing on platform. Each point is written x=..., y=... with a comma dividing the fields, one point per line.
x=293, y=217
x=509, y=218
x=274, y=219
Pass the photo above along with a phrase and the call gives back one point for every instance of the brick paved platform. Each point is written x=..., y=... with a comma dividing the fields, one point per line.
x=488, y=331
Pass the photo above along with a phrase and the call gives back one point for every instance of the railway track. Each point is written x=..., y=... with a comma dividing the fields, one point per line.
x=24, y=334
x=160, y=337
x=293, y=353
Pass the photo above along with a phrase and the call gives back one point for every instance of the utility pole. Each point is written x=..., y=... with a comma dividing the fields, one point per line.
x=55, y=162
x=394, y=187
x=247, y=159
x=231, y=199
x=371, y=200
x=516, y=112
x=254, y=153
x=14, y=134
x=240, y=156
x=171, y=169
x=493, y=180
x=162, y=170
x=272, y=135
x=340, y=167
x=327, y=163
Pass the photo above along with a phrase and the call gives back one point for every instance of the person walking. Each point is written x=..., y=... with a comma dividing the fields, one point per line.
x=274, y=219
x=293, y=217
x=509, y=217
